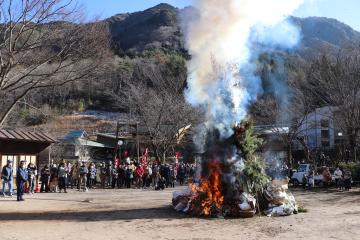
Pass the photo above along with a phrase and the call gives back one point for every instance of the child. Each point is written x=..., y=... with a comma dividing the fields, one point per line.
x=311, y=180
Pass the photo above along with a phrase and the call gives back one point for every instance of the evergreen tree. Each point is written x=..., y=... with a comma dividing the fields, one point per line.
x=248, y=142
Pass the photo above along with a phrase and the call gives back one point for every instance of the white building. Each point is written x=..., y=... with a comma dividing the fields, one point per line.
x=319, y=129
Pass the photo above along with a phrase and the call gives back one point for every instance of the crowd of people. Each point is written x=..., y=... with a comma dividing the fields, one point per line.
x=342, y=179
x=23, y=176
x=84, y=176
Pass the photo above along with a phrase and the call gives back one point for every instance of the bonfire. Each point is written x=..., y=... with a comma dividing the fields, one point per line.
x=233, y=181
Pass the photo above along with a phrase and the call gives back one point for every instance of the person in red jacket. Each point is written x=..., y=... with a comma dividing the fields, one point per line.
x=139, y=172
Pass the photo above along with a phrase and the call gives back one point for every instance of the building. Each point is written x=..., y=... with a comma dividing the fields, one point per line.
x=77, y=145
x=319, y=130
x=17, y=145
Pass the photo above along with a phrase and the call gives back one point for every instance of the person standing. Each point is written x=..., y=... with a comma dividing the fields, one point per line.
x=311, y=179
x=338, y=176
x=83, y=177
x=45, y=178
x=7, y=178
x=21, y=179
x=32, y=172
x=103, y=175
x=53, y=178
x=155, y=172
x=172, y=176
x=109, y=174
x=139, y=172
x=148, y=179
x=347, y=180
x=129, y=176
x=74, y=175
x=122, y=175
x=114, y=176
x=327, y=177
x=62, y=174
x=92, y=175
x=69, y=180
x=145, y=177
x=181, y=174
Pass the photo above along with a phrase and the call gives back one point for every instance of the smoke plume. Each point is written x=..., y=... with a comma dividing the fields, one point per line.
x=221, y=38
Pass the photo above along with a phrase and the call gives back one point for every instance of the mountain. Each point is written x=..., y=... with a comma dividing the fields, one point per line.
x=159, y=28
x=324, y=34
x=141, y=38
x=154, y=28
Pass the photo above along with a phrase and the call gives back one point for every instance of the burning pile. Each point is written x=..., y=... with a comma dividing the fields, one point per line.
x=235, y=184
x=208, y=198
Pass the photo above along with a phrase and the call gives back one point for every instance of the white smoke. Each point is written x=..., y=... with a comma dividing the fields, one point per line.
x=220, y=40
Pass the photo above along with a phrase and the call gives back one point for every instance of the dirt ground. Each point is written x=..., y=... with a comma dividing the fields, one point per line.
x=146, y=214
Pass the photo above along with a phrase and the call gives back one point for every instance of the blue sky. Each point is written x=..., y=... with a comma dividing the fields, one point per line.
x=346, y=11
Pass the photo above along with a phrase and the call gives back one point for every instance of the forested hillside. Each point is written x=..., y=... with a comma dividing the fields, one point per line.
x=154, y=38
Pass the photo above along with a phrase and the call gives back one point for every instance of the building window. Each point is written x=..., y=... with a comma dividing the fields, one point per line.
x=29, y=159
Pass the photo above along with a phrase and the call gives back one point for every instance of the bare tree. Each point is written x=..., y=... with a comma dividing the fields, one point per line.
x=285, y=107
x=156, y=90
x=288, y=129
x=43, y=44
x=335, y=81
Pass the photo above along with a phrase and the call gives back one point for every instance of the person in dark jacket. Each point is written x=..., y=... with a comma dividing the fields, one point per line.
x=172, y=176
x=109, y=174
x=181, y=174
x=103, y=174
x=45, y=178
x=129, y=176
x=160, y=184
x=7, y=178
x=122, y=175
x=114, y=176
x=32, y=173
x=21, y=179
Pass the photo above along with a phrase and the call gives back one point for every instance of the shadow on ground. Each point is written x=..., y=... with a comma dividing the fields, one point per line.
x=333, y=195
x=89, y=216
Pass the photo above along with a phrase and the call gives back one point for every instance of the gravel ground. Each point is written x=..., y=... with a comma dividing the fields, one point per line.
x=146, y=214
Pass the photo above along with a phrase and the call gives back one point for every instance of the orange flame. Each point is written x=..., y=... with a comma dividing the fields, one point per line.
x=209, y=192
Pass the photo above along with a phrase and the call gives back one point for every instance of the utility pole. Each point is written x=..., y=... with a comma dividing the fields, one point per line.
x=117, y=139
x=137, y=140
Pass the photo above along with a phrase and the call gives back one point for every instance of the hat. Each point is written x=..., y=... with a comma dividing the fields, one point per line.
x=9, y=161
